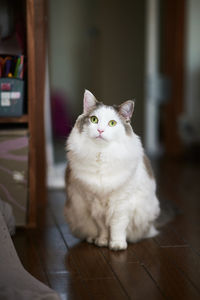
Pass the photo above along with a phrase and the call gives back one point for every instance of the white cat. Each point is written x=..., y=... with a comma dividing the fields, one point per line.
x=111, y=196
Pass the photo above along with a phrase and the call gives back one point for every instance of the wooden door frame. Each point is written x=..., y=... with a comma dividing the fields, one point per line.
x=36, y=49
x=172, y=62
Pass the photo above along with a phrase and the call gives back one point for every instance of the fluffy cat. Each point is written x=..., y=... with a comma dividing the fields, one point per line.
x=110, y=185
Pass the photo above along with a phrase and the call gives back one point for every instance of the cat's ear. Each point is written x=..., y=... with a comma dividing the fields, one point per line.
x=89, y=102
x=126, y=109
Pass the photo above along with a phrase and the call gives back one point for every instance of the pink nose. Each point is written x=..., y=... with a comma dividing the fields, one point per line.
x=100, y=131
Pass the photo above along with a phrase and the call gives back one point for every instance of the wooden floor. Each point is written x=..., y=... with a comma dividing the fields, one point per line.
x=167, y=266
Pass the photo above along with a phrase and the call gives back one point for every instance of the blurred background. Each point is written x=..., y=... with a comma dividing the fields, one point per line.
x=148, y=50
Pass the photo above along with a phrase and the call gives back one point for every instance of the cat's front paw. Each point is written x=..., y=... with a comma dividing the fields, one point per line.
x=90, y=240
x=117, y=245
x=101, y=241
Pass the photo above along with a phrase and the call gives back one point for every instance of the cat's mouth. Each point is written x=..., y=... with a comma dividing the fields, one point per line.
x=100, y=137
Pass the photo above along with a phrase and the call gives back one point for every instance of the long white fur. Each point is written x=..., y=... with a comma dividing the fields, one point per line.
x=111, y=196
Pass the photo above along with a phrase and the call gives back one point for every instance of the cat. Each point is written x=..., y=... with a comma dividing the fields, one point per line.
x=111, y=189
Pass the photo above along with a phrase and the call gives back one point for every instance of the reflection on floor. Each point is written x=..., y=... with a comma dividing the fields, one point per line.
x=167, y=266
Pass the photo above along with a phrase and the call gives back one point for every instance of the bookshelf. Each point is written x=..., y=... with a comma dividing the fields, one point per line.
x=33, y=119
x=14, y=120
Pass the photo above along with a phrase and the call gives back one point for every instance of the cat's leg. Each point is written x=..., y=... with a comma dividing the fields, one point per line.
x=84, y=227
x=103, y=234
x=142, y=220
x=137, y=233
x=78, y=218
x=90, y=230
x=118, y=229
x=151, y=232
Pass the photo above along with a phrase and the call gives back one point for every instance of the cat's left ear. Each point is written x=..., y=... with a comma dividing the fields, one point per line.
x=126, y=109
x=89, y=102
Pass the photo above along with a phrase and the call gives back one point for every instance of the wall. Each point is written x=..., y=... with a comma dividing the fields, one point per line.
x=68, y=48
x=192, y=72
x=99, y=45
x=120, y=54
x=193, y=58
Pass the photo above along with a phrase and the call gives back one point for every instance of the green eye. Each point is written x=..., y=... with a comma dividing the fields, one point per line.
x=112, y=123
x=94, y=119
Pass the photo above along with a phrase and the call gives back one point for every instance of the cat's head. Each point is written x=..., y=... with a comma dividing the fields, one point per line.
x=104, y=123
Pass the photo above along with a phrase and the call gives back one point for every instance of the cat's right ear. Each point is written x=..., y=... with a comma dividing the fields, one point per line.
x=126, y=109
x=89, y=102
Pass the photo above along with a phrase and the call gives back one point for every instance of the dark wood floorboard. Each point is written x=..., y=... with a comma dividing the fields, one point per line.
x=171, y=281
x=165, y=267
x=29, y=256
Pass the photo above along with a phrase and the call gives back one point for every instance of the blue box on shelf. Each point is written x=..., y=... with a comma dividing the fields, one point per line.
x=11, y=97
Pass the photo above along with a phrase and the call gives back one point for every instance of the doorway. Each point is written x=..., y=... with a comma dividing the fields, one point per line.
x=96, y=45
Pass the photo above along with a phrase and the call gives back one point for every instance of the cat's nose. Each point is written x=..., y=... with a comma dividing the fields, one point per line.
x=100, y=131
